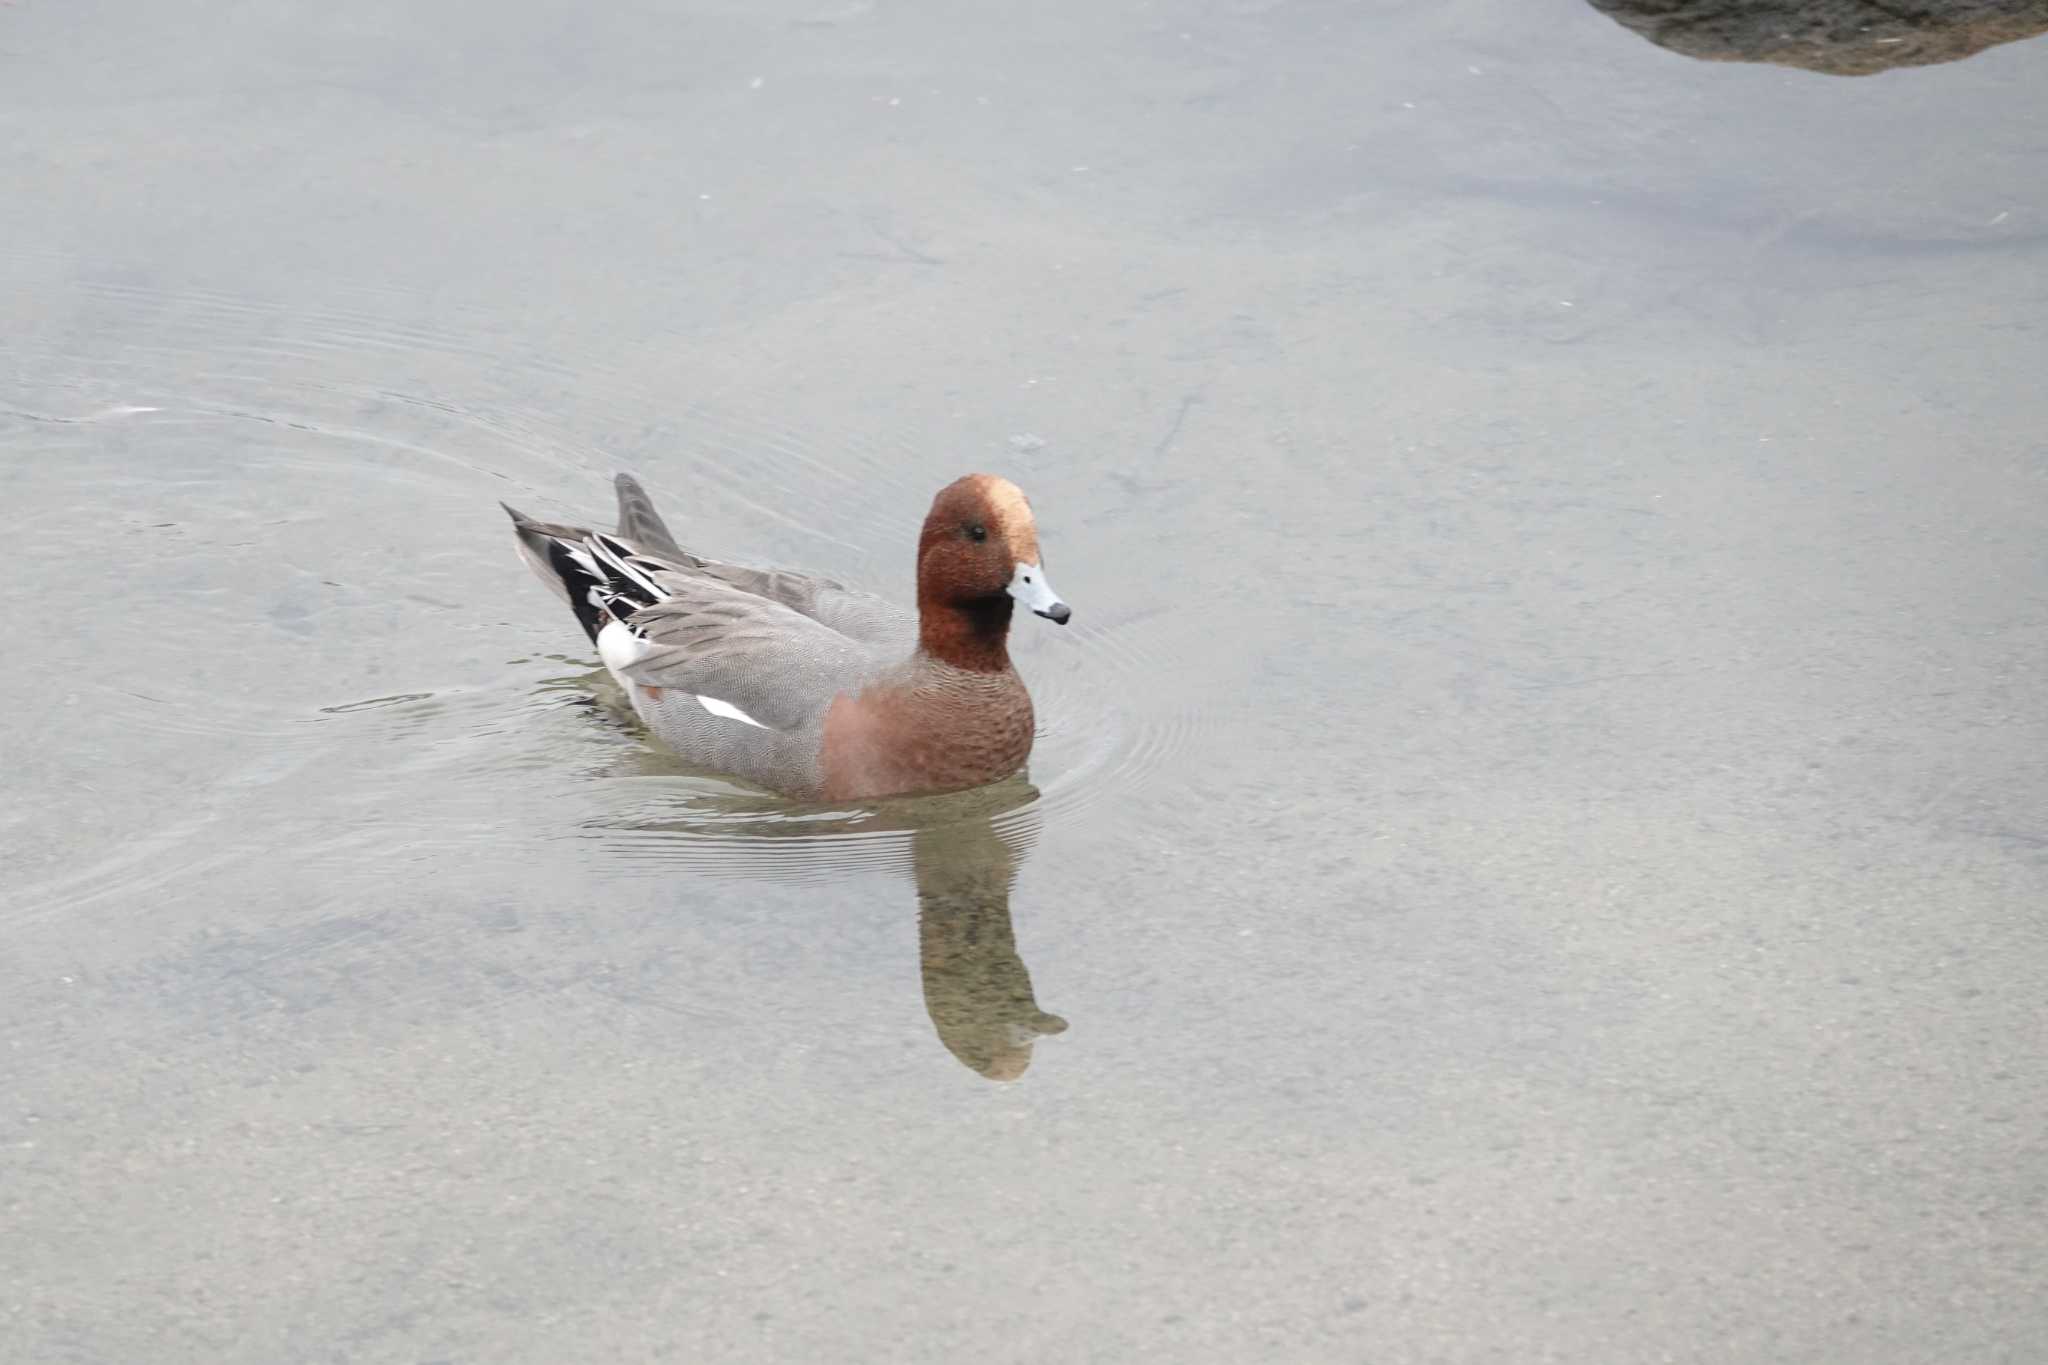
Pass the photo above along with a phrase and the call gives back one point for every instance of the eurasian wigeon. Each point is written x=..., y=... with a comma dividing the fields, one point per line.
x=799, y=684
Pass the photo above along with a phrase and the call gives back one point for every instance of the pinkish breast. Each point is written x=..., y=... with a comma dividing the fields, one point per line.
x=943, y=734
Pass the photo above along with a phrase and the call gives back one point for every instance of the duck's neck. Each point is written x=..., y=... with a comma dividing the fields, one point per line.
x=972, y=635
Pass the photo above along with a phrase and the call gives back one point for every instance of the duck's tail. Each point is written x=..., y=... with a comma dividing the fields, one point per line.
x=598, y=577
x=537, y=540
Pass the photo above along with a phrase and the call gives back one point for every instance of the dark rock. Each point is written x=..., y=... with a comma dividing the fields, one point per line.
x=1838, y=37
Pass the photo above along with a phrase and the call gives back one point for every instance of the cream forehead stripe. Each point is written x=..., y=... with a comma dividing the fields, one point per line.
x=1007, y=506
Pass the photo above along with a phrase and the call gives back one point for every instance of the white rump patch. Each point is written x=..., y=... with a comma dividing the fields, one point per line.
x=729, y=711
x=620, y=649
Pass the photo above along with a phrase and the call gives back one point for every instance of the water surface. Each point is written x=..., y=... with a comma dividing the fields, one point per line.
x=1537, y=845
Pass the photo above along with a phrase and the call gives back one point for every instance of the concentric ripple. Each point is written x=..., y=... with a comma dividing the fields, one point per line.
x=1107, y=725
x=341, y=653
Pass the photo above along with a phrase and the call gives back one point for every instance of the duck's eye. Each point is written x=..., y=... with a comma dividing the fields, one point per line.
x=977, y=532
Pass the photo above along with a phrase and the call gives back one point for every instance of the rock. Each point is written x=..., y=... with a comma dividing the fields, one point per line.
x=1837, y=37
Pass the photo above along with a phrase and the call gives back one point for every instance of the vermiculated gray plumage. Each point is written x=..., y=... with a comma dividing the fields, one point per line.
x=775, y=644
x=797, y=682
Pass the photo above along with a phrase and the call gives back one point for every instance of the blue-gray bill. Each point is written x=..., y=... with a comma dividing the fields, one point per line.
x=1029, y=586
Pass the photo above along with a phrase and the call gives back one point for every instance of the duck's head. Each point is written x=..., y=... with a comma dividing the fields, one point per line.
x=979, y=554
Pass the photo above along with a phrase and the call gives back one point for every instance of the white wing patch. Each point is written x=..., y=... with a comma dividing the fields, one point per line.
x=729, y=711
x=620, y=649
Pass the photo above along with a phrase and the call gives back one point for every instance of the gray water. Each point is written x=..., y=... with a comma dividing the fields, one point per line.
x=1537, y=849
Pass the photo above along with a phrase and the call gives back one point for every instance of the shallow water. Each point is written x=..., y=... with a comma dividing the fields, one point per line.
x=1536, y=849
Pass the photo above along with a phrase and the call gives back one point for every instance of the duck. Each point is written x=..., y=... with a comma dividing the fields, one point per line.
x=794, y=682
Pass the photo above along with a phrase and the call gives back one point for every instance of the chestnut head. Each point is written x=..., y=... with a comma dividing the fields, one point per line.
x=980, y=543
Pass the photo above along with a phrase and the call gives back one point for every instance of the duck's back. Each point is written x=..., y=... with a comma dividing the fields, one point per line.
x=792, y=680
x=733, y=668
x=857, y=615
x=741, y=680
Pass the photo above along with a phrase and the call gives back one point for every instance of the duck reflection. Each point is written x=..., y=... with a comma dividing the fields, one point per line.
x=962, y=851
x=976, y=988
